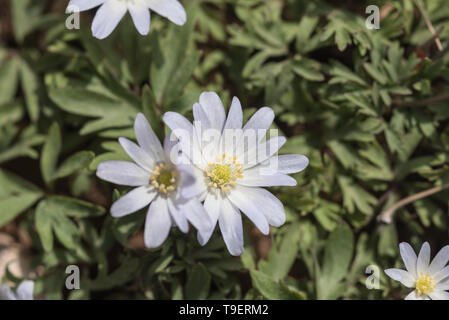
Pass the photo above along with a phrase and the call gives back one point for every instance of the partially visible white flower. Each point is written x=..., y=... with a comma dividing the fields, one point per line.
x=112, y=11
x=166, y=187
x=430, y=280
x=232, y=163
x=24, y=291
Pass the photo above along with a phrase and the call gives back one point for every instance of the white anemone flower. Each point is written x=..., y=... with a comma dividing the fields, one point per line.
x=166, y=187
x=231, y=170
x=112, y=11
x=430, y=280
x=24, y=291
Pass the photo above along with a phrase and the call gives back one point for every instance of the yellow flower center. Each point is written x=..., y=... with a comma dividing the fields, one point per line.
x=425, y=284
x=224, y=173
x=164, y=178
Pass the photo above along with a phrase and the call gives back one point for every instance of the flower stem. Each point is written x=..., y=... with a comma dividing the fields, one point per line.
x=387, y=215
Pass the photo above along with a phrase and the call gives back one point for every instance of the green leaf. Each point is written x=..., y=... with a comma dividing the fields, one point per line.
x=26, y=16
x=116, y=152
x=327, y=215
x=282, y=257
x=198, y=283
x=66, y=231
x=375, y=73
x=337, y=257
x=160, y=264
x=8, y=80
x=355, y=196
x=388, y=241
x=150, y=111
x=16, y=195
x=74, y=208
x=307, y=70
x=43, y=222
x=23, y=147
x=173, y=66
x=30, y=84
x=273, y=290
x=76, y=162
x=52, y=214
x=112, y=112
x=119, y=277
x=50, y=153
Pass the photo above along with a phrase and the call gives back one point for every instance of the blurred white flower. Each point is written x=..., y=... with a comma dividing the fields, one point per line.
x=112, y=11
x=167, y=188
x=232, y=163
x=24, y=291
x=430, y=280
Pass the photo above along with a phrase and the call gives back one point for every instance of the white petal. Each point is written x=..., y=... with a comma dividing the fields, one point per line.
x=422, y=264
x=147, y=139
x=439, y=295
x=441, y=275
x=6, y=293
x=188, y=186
x=265, y=202
x=260, y=122
x=123, y=173
x=415, y=296
x=409, y=257
x=201, y=121
x=133, y=201
x=142, y=158
x=172, y=149
x=235, y=115
x=263, y=151
x=250, y=209
x=402, y=276
x=170, y=9
x=255, y=178
x=186, y=134
x=439, y=261
x=208, y=135
x=291, y=163
x=178, y=215
x=141, y=17
x=107, y=18
x=197, y=215
x=232, y=131
x=214, y=110
x=212, y=207
x=82, y=5
x=157, y=223
x=25, y=290
x=231, y=228
x=443, y=285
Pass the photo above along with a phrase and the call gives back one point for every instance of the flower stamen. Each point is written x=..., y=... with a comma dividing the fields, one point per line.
x=224, y=172
x=164, y=178
x=425, y=284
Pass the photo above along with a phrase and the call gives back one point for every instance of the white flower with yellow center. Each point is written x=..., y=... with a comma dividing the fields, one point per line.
x=24, y=291
x=430, y=280
x=167, y=188
x=232, y=163
x=112, y=11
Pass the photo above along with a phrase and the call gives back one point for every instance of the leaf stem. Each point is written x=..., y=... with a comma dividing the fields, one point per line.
x=429, y=23
x=387, y=215
x=425, y=102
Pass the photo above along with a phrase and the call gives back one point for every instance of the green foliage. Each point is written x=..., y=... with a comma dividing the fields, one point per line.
x=369, y=108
